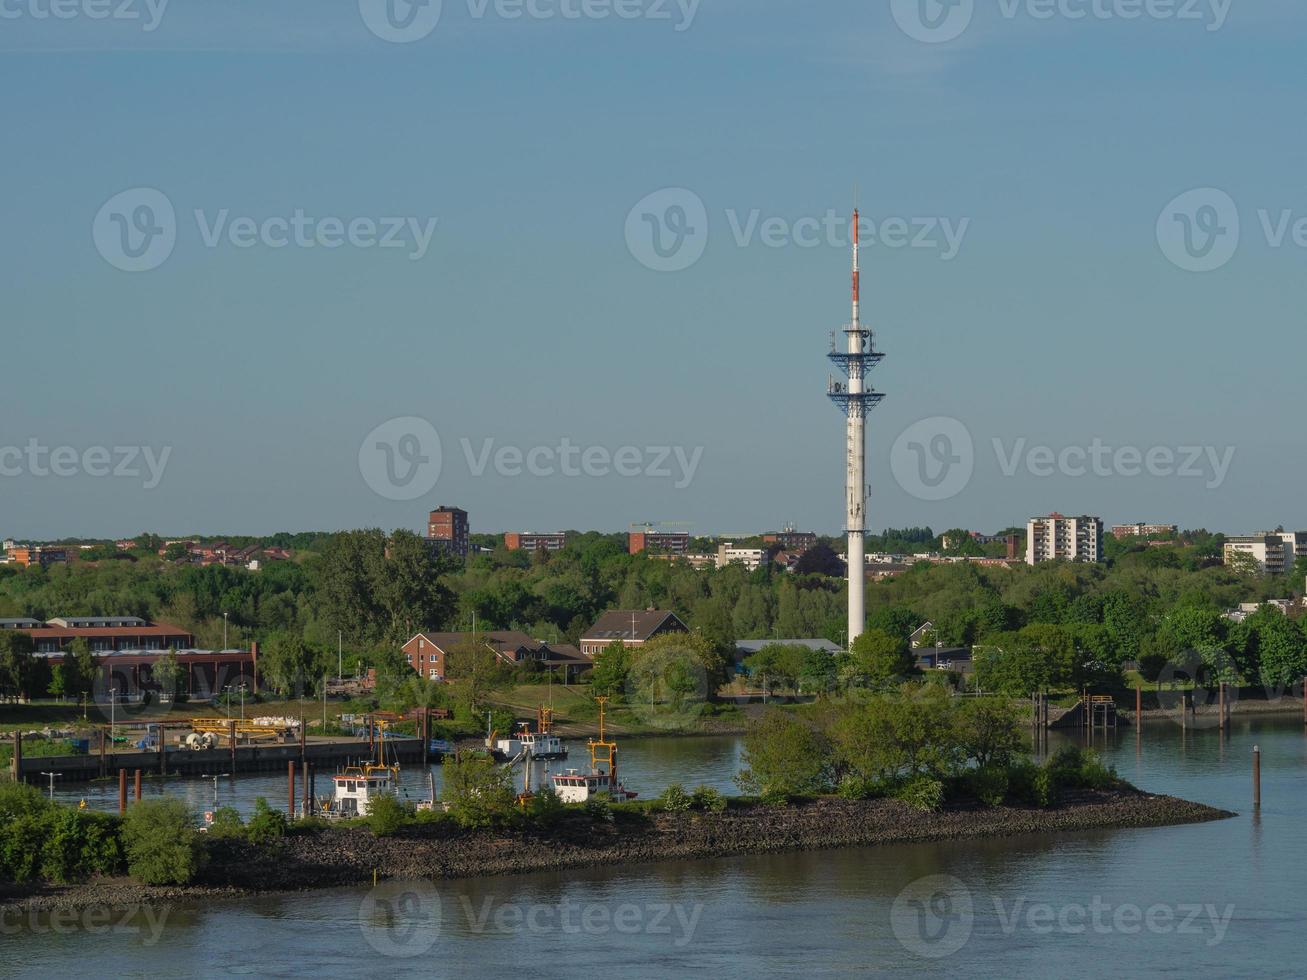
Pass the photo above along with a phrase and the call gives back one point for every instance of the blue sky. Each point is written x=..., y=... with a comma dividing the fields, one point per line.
x=1057, y=144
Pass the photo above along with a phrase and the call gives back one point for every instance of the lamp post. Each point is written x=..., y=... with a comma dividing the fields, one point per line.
x=52, y=776
x=340, y=655
x=221, y=775
x=224, y=632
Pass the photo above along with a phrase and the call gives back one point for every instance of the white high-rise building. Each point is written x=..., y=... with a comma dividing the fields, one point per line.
x=1272, y=552
x=1068, y=538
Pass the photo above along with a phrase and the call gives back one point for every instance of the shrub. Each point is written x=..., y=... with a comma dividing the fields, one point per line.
x=546, y=808
x=1030, y=785
x=922, y=793
x=386, y=815
x=1075, y=768
x=989, y=784
x=478, y=790
x=675, y=799
x=855, y=787
x=599, y=807
x=708, y=799
x=226, y=822
x=160, y=840
x=266, y=825
x=784, y=757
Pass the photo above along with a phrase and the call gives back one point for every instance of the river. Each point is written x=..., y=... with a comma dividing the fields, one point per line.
x=1222, y=899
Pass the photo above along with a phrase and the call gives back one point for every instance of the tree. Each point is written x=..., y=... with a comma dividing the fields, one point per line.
x=1281, y=648
x=478, y=790
x=84, y=666
x=820, y=559
x=908, y=733
x=161, y=842
x=167, y=673
x=876, y=658
x=286, y=664
x=784, y=758
x=17, y=662
x=989, y=731
x=612, y=667
x=474, y=670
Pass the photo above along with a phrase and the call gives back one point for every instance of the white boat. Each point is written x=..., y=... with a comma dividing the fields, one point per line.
x=579, y=787
x=539, y=745
x=355, y=788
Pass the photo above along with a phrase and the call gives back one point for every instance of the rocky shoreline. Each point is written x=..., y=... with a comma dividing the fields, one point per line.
x=328, y=858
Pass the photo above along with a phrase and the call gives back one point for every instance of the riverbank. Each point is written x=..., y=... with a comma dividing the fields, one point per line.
x=336, y=857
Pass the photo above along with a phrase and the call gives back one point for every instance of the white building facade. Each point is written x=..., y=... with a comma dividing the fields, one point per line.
x=1067, y=538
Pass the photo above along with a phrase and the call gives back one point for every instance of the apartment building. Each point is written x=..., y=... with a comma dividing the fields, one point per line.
x=1066, y=538
x=447, y=530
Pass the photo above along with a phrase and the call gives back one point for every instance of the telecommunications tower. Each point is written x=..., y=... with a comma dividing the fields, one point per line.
x=856, y=357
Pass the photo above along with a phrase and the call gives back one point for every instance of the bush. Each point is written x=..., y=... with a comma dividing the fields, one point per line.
x=1072, y=767
x=386, y=815
x=266, y=825
x=855, y=787
x=1031, y=785
x=708, y=799
x=922, y=793
x=785, y=757
x=599, y=807
x=479, y=791
x=675, y=799
x=161, y=842
x=989, y=784
x=227, y=822
x=546, y=808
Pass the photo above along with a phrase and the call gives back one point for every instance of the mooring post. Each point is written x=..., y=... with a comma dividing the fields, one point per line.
x=1220, y=706
x=1257, y=776
x=290, y=801
x=104, y=771
x=231, y=739
x=163, y=749
x=138, y=786
x=18, y=757
x=122, y=791
x=425, y=728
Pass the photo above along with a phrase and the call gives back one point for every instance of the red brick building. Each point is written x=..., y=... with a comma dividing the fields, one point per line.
x=447, y=529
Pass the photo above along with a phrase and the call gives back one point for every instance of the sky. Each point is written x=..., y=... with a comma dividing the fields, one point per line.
x=323, y=264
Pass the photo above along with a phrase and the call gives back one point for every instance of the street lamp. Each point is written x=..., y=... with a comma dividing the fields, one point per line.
x=52, y=776
x=224, y=632
x=221, y=775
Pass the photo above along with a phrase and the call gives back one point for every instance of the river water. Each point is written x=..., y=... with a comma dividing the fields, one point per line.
x=1224, y=899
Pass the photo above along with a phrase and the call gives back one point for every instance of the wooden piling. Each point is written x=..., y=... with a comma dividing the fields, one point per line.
x=290, y=797
x=163, y=749
x=231, y=739
x=122, y=791
x=18, y=757
x=1257, y=776
x=1220, y=707
x=104, y=762
x=138, y=786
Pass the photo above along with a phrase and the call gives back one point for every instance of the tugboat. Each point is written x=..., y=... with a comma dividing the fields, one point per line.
x=541, y=745
x=355, y=787
x=579, y=787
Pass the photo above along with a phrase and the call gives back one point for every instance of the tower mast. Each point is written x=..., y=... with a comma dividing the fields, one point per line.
x=857, y=399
